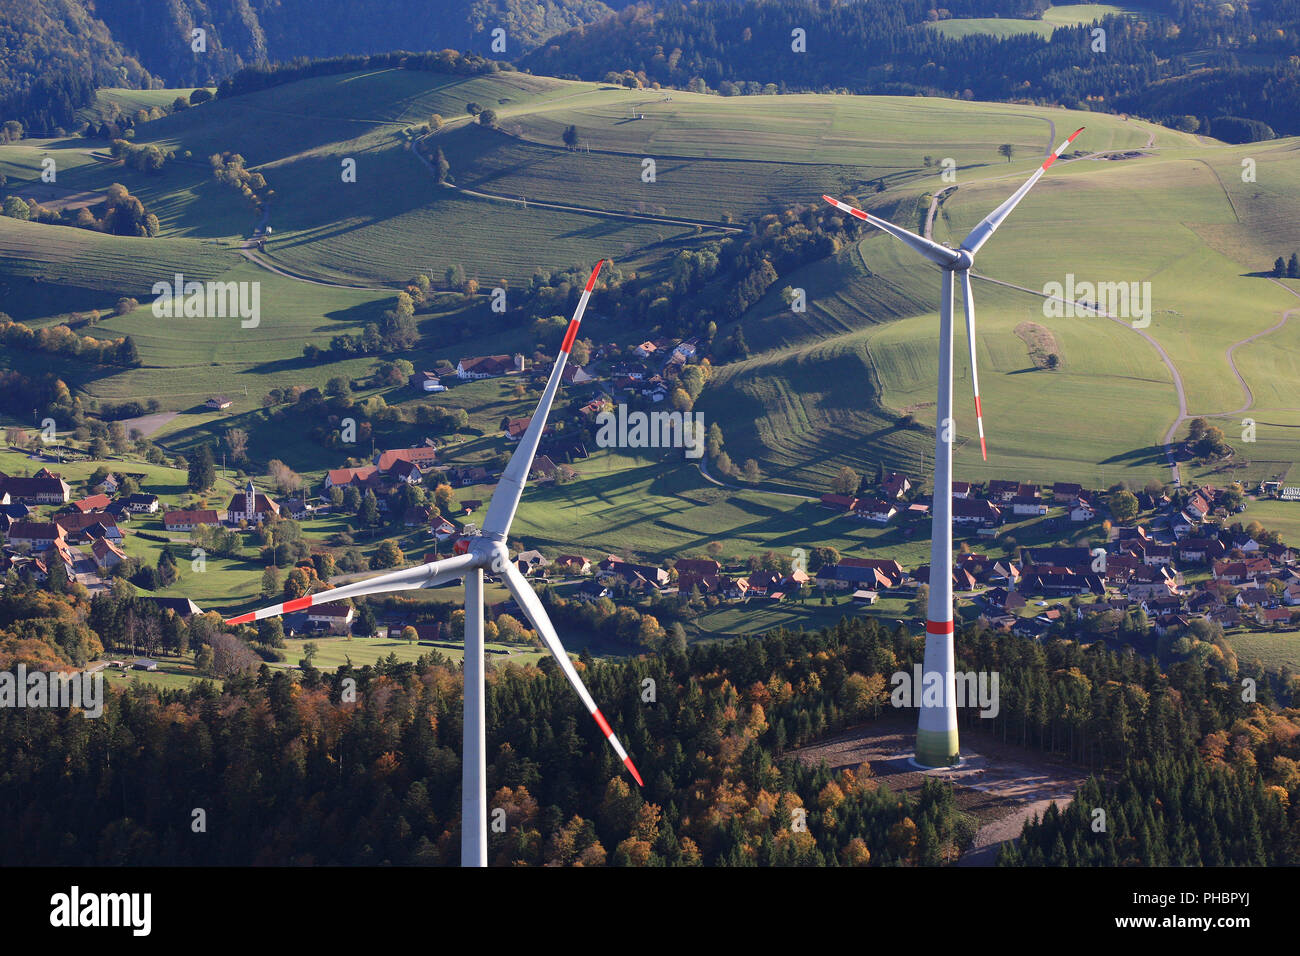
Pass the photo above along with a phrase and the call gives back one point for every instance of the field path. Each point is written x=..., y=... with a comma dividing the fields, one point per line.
x=580, y=210
x=255, y=257
x=1246, y=390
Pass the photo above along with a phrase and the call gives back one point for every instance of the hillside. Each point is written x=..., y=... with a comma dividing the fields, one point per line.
x=1193, y=63
x=818, y=390
x=54, y=53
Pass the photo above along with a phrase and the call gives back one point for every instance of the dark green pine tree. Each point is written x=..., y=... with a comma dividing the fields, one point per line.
x=202, y=470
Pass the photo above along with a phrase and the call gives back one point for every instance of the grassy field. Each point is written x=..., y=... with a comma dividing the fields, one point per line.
x=335, y=652
x=1276, y=650
x=1053, y=18
x=820, y=390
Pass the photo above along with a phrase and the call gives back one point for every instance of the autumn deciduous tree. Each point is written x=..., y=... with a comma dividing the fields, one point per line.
x=846, y=481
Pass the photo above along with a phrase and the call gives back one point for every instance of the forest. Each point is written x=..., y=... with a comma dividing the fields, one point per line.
x=1187, y=58
x=361, y=765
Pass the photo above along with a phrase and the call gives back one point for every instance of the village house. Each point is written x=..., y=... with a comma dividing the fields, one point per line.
x=43, y=488
x=34, y=536
x=423, y=457
x=961, y=489
x=697, y=566
x=78, y=527
x=92, y=503
x=426, y=382
x=1274, y=616
x=1028, y=505
x=360, y=477
x=142, y=503
x=190, y=519
x=842, y=503
x=532, y=562
x=218, y=403
x=335, y=617
x=107, y=554
x=874, y=509
x=977, y=512
x=1082, y=511
x=576, y=375
x=637, y=575
x=489, y=366
x=573, y=564
x=896, y=485
x=183, y=608
x=1064, y=492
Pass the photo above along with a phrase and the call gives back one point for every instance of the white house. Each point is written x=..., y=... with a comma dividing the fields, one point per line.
x=336, y=616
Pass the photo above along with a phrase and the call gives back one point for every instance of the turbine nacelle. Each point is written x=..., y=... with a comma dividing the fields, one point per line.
x=964, y=260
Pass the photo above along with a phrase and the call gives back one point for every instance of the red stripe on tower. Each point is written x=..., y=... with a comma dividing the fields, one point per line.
x=602, y=723
x=938, y=627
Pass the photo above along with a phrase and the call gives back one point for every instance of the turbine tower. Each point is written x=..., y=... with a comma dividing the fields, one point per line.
x=936, y=728
x=485, y=552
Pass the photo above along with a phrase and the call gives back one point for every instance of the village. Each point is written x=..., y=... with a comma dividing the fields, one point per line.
x=1182, y=560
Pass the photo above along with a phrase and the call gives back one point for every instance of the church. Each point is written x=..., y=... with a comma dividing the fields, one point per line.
x=251, y=506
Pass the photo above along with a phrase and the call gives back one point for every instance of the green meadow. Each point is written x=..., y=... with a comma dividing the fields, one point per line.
x=848, y=382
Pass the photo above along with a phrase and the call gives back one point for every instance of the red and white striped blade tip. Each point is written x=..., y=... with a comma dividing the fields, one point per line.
x=984, y=448
x=288, y=607
x=845, y=207
x=627, y=762
x=591, y=283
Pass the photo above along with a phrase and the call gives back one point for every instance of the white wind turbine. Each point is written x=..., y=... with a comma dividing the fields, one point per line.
x=485, y=552
x=936, y=730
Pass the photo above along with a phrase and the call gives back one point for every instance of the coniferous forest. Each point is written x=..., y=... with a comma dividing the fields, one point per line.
x=308, y=772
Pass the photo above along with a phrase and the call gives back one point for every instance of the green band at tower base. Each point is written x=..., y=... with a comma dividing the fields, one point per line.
x=937, y=748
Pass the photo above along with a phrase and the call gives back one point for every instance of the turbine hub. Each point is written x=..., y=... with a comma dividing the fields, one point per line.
x=964, y=260
x=489, y=554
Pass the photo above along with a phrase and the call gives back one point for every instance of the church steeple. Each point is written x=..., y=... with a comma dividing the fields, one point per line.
x=250, y=501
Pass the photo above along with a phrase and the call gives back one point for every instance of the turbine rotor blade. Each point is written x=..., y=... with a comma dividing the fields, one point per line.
x=969, y=304
x=505, y=500
x=989, y=224
x=532, y=607
x=407, y=579
x=940, y=255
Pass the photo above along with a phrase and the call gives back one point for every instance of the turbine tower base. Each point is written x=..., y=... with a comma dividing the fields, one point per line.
x=937, y=748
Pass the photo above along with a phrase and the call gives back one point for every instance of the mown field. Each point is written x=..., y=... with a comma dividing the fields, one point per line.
x=1052, y=18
